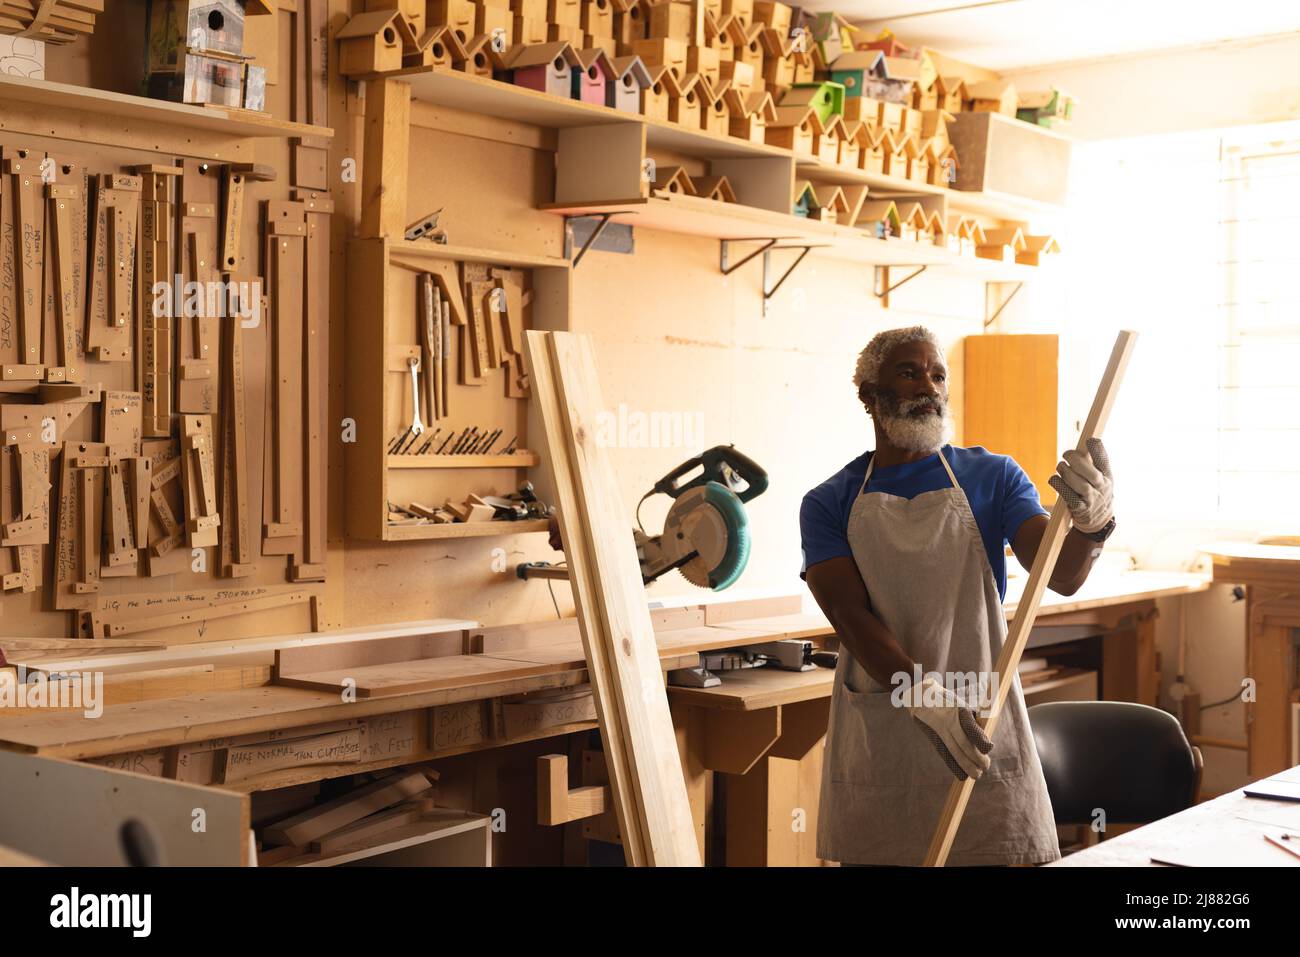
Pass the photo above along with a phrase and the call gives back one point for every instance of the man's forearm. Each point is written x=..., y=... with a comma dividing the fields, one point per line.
x=872, y=645
x=1078, y=554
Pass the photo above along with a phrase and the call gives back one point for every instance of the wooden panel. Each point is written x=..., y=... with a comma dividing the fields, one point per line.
x=1011, y=394
x=82, y=827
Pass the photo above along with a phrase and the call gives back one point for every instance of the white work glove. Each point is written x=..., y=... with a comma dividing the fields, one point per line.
x=1083, y=480
x=952, y=727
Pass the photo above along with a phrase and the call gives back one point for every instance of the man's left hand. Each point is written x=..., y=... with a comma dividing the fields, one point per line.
x=1083, y=480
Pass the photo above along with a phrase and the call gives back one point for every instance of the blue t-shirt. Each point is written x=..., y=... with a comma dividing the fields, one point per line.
x=999, y=491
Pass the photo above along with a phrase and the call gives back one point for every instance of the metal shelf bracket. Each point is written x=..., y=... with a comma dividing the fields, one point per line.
x=992, y=317
x=882, y=286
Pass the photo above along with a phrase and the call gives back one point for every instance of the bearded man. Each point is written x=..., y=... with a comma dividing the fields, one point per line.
x=904, y=550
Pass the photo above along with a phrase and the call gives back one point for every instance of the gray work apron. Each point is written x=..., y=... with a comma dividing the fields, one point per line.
x=883, y=783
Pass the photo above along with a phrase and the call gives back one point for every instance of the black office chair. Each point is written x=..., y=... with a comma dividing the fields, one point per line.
x=1130, y=760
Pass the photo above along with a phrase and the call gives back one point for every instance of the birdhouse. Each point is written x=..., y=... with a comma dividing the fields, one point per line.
x=778, y=63
x=438, y=48
x=545, y=67
x=629, y=22
x=180, y=27
x=887, y=86
x=717, y=35
x=872, y=159
x=943, y=168
x=563, y=12
x=832, y=34
x=750, y=114
x=747, y=42
x=655, y=97
x=879, y=218
x=590, y=77
x=851, y=70
x=597, y=18
x=673, y=180
x=741, y=10
x=739, y=76
x=373, y=43
x=1035, y=248
x=922, y=158
x=834, y=206
x=936, y=233
x=795, y=128
x=670, y=19
x=828, y=141
x=1002, y=245
x=806, y=203
x=951, y=91
x=684, y=101
x=896, y=154
x=922, y=74
x=932, y=124
x=715, y=114
x=458, y=15
x=527, y=31
x=964, y=234
x=705, y=61
x=854, y=139
x=413, y=10
x=476, y=57
x=716, y=188
x=625, y=87
x=886, y=43
x=913, y=223
x=826, y=99
x=1045, y=108
x=773, y=14
x=663, y=52
x=992, y=96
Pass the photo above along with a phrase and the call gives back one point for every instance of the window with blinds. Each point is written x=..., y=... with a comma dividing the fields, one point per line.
x=1259, y=325
x=1193, y=240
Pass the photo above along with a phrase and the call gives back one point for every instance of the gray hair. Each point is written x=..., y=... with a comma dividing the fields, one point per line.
x=881, y=345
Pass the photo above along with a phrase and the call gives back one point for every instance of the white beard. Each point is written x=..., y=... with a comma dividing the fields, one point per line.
x=918, y=433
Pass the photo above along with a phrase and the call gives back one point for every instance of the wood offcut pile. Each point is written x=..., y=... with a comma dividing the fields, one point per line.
x=51, y=21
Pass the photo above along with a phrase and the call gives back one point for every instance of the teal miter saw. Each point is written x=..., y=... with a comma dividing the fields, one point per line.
x=706, y=531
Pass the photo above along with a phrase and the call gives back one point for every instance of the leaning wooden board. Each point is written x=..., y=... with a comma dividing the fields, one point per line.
x=645, y=772
x=405, y=677
x=1044, y=563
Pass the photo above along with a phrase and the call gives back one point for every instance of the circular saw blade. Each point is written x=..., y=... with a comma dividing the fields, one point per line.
x=711, y=521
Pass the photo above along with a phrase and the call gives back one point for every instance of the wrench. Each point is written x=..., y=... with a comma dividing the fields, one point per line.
x=413, y=364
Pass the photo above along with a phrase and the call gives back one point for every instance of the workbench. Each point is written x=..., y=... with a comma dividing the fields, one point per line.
x=1226, y=831
x=762, y=729
x=1270, y=575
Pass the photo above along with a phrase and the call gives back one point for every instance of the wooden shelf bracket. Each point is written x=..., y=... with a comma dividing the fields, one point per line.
x=989, y=293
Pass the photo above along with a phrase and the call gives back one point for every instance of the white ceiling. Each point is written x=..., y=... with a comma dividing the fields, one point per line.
x=1012, y=34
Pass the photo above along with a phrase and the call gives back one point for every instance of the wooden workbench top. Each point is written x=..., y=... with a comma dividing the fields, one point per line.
x=752, y=689
x=1226, y=831
x=1104, y=588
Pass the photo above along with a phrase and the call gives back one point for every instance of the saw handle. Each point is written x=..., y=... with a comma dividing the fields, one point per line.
x=712, y=462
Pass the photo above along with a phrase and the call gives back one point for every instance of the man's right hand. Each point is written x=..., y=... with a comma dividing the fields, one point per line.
x=951, y=726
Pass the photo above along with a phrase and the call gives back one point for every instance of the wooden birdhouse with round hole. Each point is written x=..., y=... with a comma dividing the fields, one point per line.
x=374, y=43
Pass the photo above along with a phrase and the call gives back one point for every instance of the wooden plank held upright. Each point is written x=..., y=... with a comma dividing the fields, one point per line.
x=645, y=773
x=1027, y=610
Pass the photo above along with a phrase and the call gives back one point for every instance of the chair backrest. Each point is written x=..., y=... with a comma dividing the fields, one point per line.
x=1130, y=760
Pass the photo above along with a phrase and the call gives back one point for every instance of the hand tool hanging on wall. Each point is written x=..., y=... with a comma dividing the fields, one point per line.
x=315, y=310
x=69, y=255
x=158, y=324
x=236, y=541
x=237, y=176
x=286, y=232
x=111, y=303
x=22, y=189
x=199, y=325
x=199, y=480
x=120, y=429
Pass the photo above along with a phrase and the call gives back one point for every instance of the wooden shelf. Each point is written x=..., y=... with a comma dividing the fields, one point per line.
x=522, y=459
x=695, y=216
x=410, y=533
x=429, y=249
x=63, y=96
x=476, y=94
